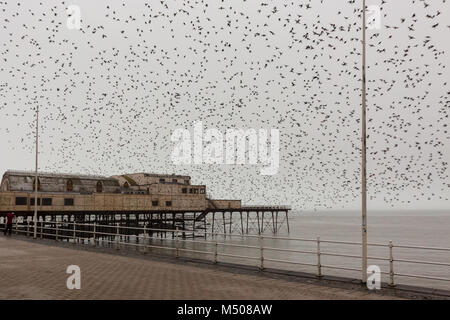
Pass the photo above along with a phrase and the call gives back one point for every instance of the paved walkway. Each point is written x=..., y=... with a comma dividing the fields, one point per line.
x=32, y=270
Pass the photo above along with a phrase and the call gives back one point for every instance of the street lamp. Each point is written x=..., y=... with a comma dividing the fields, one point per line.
x=363, y=150
x=36, y=174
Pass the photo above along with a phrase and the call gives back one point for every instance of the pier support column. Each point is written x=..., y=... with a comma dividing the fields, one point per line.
x=173, y=224
x=247, y=223
x=165, y=225
x=262, y=222
x=273, y=223
x=257, y=217
x=287, y=220
x=242, y=223
x=193, y=225
x=276, y=222
x=224, y=225
x=205, y=226
x=184, y=226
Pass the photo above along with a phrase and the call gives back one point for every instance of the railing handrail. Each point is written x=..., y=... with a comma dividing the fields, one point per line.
x=80, y=223
x=262, y=207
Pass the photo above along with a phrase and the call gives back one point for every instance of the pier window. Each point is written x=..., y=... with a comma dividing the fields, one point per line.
x=21, y=201
x=174, y=181
x=32, y=201
x=162, y=180
x=126, y=185
x=155, y=203
x=99, y=186
x=186, y=181
x=191, y=190
x=202, y=191
x=184, y=190
x=168, y=203
x=196, y=191
x=68, y=201
x=46, y=201
x=69, y=185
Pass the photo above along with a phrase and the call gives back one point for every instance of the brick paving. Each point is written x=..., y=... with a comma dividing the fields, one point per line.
x=32, y=270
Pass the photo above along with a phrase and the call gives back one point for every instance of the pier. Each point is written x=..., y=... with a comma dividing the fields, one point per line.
x=245, y=220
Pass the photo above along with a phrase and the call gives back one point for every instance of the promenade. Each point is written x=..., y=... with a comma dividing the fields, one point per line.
x=35, y=270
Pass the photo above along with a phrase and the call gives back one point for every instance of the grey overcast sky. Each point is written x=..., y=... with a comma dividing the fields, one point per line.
x=111, y=93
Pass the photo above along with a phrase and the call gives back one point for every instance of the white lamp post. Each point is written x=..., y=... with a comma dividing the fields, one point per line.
x=36, y=174
x=363, y=150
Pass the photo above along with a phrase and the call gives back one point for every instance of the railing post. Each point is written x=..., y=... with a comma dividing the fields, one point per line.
x=319, y=265
x=56, y=231
x=16, y=225
x=391, y=264
x=145, y=239
x=94, y=234
x=177, y=244
x=74, y=230
x=42, y=228
x=117, y=236
x=28, y=228
x=261, y=252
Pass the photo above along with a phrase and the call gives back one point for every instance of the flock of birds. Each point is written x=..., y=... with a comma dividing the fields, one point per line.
x=111, y=93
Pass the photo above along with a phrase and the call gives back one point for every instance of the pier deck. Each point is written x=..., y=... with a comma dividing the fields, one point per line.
x=33, y=270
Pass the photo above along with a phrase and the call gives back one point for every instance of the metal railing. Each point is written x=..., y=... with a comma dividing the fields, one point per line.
x=75, y=232
x=262, y=207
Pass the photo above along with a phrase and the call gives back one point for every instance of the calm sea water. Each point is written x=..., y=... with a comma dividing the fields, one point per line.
x=412, y=228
